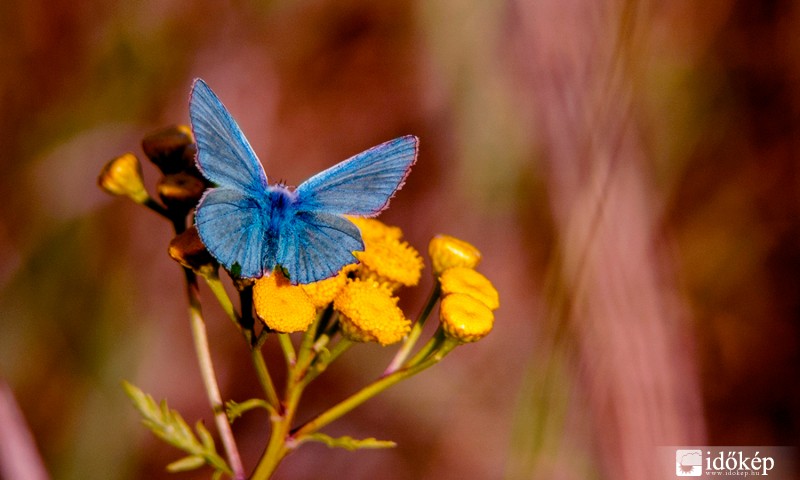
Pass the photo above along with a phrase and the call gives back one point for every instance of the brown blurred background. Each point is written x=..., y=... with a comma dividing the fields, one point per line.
x=629, y=170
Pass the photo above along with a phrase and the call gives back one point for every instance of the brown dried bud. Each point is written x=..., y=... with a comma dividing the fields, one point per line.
x=188, y=250
x=189, y=155
x=166, y=147
x=180, y=191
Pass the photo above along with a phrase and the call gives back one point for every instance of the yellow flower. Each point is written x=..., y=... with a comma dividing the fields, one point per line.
x=468, y=281
x=386, y=259
x=372, y=229
x=464, y=318
x=369, y=313
x=283, y=307
x=447, y=252
x=390, y=261
x=324, y=291
x=123, y=176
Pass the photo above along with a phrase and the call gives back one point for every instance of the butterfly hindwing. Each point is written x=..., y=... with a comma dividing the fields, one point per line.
x=362, y=184
x=231, y=225
x=223, y=153
x=316, y=245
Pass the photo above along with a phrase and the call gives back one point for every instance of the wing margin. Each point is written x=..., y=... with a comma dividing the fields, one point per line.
x=363, y=184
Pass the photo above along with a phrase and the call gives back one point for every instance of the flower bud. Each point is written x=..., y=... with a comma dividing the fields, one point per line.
x=123, y=176
x=189, y=155
x=464, y=318
x=188, y=250
x=180, y=191
x=447, y=252
x=468, y=281
x=166, y=147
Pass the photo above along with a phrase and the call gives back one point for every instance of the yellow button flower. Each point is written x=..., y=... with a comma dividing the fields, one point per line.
x=123, y=176
x=324, y=291
x=448, y=252
x=390, y=261
x=468, y=281
x=283, y=307
x=372, y=229
x=464, y=318
x=369, y=313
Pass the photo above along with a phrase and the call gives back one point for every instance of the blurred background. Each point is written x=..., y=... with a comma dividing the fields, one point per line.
x=629, y=170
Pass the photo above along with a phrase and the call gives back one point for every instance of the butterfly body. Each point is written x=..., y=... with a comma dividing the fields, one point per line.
x=252, y=227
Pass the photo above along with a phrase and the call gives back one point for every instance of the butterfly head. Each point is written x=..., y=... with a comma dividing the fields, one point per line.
x=282, y=184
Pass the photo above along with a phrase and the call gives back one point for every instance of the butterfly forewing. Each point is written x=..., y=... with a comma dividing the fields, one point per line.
x=362, y=184
x=223, y=153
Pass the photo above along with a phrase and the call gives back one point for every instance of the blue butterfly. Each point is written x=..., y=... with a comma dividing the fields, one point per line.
x=252, y=227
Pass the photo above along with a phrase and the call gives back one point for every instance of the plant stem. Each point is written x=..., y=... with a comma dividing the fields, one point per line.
x=370, y=391
x=156, y=207
x=416, y=330
x=209, y=377
x=288, y=349
x=297, y=364
x=264, y=378
x=322, y=363
x=433, y=345
x=218, y=289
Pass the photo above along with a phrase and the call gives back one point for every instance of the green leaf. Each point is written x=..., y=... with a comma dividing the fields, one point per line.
x=349, y=443
x=235, y=410
x=169, y=426
x=192, y=462
x=205, y=436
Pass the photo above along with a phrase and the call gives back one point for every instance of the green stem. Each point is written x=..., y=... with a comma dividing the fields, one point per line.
x=246, y=319
x=209, y=377
x=416, y=330
x=305, y=354
x=370, y=391
x=321, y=363
x=265, y=378
x=288, y=349
x=297, y=365
x=433, y=345
x=156, y=207
x=218, y=289
x=275, y=451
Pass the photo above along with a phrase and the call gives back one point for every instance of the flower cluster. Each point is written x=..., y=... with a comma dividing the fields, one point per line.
x=469, y=298
x=358, y=304
x=181, y=185
x=362, y=294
